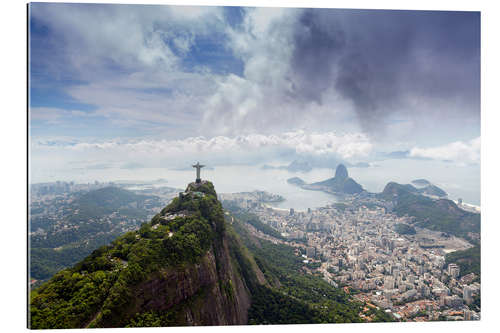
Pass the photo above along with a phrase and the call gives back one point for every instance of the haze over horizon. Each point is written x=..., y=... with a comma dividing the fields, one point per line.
x=146, y=86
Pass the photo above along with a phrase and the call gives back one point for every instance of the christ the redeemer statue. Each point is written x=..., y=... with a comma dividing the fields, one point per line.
x=198, y=166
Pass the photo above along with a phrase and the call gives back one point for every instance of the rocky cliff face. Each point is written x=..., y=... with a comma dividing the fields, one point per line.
x=341, y=172
x=206, y=293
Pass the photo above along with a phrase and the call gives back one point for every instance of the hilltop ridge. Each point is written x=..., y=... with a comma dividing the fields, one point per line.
x=185, y=267
x=436, y=214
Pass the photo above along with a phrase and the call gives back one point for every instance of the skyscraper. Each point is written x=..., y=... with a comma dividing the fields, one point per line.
x=467, y=294
x=453, y=270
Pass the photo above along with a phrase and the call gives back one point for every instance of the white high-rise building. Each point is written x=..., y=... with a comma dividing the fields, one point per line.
x=388, y=282
x=453, y=270
x=467, y=314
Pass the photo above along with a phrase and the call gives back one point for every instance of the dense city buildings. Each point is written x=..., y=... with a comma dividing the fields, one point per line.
x=355, y=244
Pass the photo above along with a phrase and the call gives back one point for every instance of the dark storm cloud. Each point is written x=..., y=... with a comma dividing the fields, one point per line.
x=319, y=43
x=384, y=61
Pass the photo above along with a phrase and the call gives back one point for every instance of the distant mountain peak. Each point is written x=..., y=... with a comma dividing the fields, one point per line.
x=341, y=183
x=421, y=182
x=341, y=172
x=424, y=187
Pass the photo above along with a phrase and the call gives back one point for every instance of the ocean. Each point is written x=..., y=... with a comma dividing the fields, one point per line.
x=458, y=181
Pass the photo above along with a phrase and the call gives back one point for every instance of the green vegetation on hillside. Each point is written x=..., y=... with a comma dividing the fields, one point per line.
x=273, y=307
x=404, y=229
x=294, y=297
x=252, y=219
x=97, y=292
x=469, y=260
x=45, y=262
x=439, y=215
x=106, y=201
x=325, y=303
x=93, y=219
x=433, y=190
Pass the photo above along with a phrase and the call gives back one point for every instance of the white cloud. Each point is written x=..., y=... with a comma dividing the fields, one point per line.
x=459, y=152
x=219, y=149
x=55, y=116
x=128, y=62
x=93, y=36
x=48, y=114
x=265, y=98
x=141, y=98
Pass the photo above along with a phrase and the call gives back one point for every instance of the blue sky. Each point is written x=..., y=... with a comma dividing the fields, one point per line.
x=346, y=83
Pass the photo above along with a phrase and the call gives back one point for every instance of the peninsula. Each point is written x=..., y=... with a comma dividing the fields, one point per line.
x=340, y=184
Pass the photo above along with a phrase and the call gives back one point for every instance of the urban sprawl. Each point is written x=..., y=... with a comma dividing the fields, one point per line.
x=356, y=246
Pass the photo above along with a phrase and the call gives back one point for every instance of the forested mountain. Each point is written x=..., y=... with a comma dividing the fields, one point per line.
x=108, y=200
x=71, y=230
x=189, y=266
x=177, y=269
x=439, y=215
